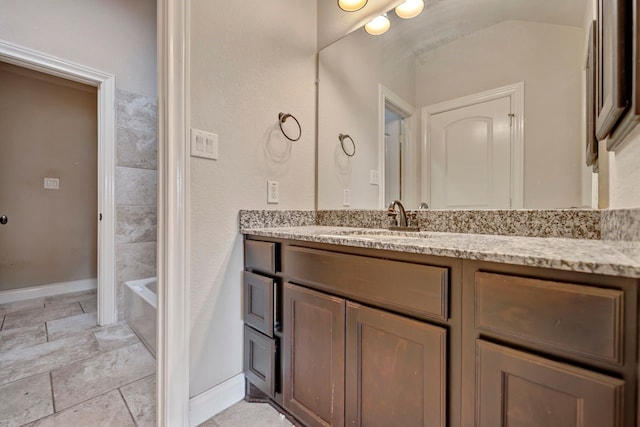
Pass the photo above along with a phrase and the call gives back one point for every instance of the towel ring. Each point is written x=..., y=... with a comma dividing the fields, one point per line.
x=282, y=117
x=351, y=152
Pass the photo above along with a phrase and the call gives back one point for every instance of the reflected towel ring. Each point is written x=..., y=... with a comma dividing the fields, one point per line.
x=351, y=152
x=282, y=117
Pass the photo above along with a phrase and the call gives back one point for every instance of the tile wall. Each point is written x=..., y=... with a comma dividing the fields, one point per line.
x=136, y=189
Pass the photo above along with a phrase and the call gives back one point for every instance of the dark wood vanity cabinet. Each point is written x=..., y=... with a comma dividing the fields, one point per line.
x=548, y=348
x=379, y=338
x=395, y=370
x=386, y=370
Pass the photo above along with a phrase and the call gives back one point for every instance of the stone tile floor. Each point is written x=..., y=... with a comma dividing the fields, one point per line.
x=57, y=368
x=244, y=414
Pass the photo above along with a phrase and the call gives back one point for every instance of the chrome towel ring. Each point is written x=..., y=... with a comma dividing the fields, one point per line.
x=350, y=152
x=282, y=117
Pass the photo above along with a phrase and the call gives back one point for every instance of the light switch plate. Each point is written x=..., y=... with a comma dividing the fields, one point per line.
x=52, y=183
x=204, y=144
x=346, y=197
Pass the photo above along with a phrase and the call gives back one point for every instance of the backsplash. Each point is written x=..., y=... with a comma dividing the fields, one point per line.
x=621, y=225
x=568, y=223
x=273, y=218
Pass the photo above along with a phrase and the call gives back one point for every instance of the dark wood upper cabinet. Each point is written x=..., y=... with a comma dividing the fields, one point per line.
x=590, y=68
x=631, y=118
x=611, y=72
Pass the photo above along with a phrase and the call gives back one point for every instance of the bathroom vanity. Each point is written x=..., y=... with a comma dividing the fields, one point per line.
x=364, y=328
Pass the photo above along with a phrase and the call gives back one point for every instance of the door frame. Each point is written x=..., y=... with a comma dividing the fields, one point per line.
x=407, y=113
x=173, y=329
x=516, y=94
x=105, y=83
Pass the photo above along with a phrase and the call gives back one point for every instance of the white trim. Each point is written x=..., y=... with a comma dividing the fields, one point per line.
x=215, y=400
x=39, y=291
x=105, y=83
x=408, y=111
x=516, y=93
x=173, y=214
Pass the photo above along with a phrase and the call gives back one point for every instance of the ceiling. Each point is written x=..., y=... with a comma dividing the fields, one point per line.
x=444, y=21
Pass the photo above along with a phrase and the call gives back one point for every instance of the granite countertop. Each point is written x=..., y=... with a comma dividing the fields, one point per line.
x=588, y=256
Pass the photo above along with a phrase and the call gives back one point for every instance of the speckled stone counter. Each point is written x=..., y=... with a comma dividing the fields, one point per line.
x=580, y=255
x=569, y=223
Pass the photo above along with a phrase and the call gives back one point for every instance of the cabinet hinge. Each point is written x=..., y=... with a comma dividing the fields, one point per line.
x=511, y=116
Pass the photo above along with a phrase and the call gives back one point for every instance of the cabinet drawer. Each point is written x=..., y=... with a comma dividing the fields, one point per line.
x=260, y=360
x=258, y=302
x=260, y=256
x=575, y=319
x=519, y=389
x=415, y=289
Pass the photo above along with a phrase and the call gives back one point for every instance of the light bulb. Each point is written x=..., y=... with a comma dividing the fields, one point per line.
x=378, y=25
x=410, y=9
x=351, y=5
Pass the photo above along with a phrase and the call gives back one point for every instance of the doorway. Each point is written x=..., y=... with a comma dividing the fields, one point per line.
x=105, y=87
x=473, y=151
x=395, y=149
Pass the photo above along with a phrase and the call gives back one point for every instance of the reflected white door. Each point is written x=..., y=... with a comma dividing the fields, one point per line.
x=470, y=165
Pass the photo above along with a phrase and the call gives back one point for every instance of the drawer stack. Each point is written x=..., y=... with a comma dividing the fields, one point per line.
x=260, y=313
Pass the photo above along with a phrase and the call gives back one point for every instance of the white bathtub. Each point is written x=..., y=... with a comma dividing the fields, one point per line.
x=141, y=302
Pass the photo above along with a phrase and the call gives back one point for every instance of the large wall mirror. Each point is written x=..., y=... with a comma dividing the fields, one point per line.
x=474, y=104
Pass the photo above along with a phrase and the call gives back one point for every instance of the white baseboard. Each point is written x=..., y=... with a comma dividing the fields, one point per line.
x=13, y=295
x=215, y=400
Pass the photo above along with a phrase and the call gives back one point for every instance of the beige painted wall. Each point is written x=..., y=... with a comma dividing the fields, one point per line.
x=249, y=61
x=549, y=59
x=48, y=128
x=624, y=183
x=116, y=36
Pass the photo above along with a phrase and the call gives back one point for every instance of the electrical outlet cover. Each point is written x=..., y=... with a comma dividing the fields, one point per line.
x=273, y=192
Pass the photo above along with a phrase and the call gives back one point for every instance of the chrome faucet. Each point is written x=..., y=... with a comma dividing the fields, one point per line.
x=401, y=215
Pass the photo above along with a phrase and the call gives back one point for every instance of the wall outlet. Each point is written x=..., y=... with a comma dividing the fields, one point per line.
x=204, y=144
x=346, y=197
x=373, y=177
x=52, y=183
x=273, y=192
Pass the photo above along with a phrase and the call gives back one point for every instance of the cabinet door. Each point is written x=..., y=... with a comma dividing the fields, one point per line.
x=396, y=370
x=518, y=389
x=314, y=356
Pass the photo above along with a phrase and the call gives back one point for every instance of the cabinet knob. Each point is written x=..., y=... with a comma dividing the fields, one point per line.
x=3, y=219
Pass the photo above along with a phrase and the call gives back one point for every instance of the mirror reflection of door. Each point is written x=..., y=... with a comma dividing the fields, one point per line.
x=393, y=156
x=395, y=149
x=475, y=150
x=471, y=157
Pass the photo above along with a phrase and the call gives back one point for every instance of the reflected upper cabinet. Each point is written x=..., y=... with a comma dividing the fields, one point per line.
x=611, y=93
x=617, y=86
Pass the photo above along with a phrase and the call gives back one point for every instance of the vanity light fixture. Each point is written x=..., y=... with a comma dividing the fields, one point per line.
x=351, y=5
x=378, y=25
x=410, y=9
